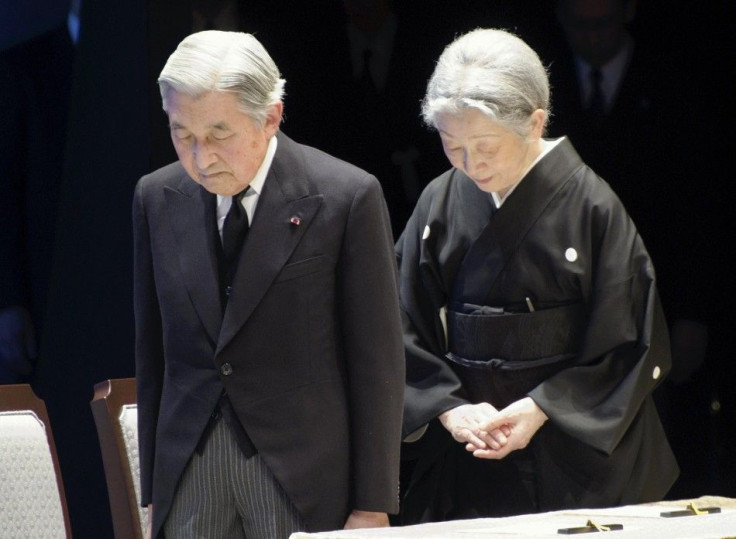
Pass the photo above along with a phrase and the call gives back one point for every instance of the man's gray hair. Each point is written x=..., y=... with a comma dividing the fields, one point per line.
x=224, y=62
x=493, y=71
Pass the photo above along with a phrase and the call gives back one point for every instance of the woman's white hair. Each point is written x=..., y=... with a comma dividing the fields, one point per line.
x=226, y=62
x=493, y=71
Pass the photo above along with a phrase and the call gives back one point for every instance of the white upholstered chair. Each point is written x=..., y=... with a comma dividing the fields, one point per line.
x=32, y=498
x=116, y=417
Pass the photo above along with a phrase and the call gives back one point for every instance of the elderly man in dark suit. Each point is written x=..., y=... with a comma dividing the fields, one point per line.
x=268, y=344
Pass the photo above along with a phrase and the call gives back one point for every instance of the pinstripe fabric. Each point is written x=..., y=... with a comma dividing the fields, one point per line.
x=223, y=494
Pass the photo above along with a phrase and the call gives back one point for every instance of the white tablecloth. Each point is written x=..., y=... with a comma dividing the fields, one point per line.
x=639, y=521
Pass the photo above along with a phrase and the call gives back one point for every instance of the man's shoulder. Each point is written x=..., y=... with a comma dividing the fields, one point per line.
x=152, y=185
x=171, y=173
x=320, y=166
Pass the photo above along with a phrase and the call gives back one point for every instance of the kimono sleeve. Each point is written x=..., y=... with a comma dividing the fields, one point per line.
x=625, y=353
x=431, y=385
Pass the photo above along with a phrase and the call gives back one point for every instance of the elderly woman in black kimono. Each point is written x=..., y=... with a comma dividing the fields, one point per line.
x=533, y=330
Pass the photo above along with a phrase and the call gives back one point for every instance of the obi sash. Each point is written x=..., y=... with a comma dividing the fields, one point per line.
x=501, y=356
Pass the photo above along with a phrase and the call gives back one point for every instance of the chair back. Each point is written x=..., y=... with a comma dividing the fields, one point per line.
x=116, y=417
x=32, y=497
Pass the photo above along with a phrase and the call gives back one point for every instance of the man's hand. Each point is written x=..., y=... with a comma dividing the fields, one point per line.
x=366, y=519
x=467, y=423
x=521, y=419
x=17, y=340
x=149, y=527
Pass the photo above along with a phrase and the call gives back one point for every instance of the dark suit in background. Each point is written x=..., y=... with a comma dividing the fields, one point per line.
x=367, y=115
x=88, y=331
x=35, y=91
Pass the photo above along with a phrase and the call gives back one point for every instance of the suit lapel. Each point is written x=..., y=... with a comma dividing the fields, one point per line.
x=273, y=236
x=189, y=206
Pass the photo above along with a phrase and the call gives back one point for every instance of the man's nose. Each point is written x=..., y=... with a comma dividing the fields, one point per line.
x=203, y=155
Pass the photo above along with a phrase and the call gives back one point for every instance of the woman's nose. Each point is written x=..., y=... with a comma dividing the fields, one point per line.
x=472, y=163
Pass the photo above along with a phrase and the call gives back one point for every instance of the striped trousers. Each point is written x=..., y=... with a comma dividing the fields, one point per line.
x=222, y=494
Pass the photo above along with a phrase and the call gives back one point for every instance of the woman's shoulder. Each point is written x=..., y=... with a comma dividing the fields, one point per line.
x=589, y=187
x=438, y=187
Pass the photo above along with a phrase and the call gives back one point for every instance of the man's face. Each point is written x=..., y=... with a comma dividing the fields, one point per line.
x=220, y=147
x=595, y=29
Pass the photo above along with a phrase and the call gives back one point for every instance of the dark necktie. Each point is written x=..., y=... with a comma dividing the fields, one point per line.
x=597, y=104
x=234, y=229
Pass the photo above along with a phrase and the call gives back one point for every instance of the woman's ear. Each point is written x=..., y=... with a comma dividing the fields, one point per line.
x=537, y=122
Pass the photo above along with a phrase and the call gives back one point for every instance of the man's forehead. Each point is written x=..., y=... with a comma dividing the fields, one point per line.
x=210, y=99
x=214, y=110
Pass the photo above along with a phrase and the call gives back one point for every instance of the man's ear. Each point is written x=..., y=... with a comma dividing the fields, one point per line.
x=273, y=118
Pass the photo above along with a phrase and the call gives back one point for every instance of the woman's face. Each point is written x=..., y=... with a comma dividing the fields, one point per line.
x=491, y=155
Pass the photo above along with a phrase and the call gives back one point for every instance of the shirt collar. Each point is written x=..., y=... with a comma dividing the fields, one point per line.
x=256, y=184
x=259, y=179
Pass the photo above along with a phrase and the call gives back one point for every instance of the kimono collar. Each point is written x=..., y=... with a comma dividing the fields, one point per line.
x=547, y=146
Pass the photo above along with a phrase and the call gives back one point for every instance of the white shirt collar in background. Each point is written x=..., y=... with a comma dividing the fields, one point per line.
x=611, y=74
x=381, y=45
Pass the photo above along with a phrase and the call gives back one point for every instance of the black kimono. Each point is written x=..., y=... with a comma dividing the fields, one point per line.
x=590, y=354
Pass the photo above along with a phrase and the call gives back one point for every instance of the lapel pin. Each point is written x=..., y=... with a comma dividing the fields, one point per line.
x=295, y=221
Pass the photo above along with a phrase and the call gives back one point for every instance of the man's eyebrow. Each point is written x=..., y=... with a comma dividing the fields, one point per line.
x=219, y=125
x=480, y=135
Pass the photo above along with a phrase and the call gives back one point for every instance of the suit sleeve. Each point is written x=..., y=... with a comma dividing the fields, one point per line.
x=625, y=353
x=148, y=343
x=369, y=315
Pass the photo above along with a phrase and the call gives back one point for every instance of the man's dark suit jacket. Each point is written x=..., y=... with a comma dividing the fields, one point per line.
x=309, y=347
